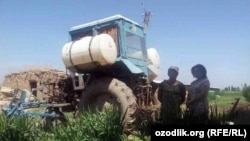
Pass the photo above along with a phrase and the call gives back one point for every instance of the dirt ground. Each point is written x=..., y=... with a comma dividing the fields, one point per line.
x=242, y=114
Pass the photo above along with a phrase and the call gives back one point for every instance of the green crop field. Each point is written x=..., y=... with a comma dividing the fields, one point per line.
x=224, y=100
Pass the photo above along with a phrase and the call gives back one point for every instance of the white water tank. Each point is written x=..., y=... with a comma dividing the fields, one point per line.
x=153, y=57
x=89, y=52
x=153, y=62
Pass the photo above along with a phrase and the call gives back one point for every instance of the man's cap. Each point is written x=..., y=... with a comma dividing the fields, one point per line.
x=174, y=68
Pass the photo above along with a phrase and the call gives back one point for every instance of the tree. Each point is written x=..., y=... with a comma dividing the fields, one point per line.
x=246, y=93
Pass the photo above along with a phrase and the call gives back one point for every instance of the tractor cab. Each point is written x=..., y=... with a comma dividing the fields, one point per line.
x=121, y=53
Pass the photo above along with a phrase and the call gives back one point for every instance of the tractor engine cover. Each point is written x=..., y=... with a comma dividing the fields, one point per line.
x=89, y=52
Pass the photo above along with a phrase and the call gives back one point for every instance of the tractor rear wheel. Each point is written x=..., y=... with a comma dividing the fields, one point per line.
x=104, y=92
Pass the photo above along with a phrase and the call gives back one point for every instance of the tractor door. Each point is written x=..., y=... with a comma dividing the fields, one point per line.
x=136, y=46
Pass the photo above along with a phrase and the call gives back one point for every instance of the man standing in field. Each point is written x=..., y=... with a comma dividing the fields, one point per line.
x=171, y=94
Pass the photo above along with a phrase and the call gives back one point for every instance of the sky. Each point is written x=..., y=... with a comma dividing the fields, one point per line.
x=215, y=33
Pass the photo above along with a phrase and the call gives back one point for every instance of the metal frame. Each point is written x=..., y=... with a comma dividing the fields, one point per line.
x=18, y=107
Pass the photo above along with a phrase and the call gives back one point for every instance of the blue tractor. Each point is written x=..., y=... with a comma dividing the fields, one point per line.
x=109, y=64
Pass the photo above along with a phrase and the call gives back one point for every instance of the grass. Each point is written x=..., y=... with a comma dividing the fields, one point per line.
x=17, y=128
x=224, y=100
x=99, y=126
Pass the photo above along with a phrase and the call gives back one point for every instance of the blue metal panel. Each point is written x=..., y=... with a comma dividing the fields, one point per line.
x=128, y=27
x=135, y=29
x=102, y=21
x=133, y=69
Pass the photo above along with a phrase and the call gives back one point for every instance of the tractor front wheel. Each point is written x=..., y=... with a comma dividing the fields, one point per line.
x=104, y=92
